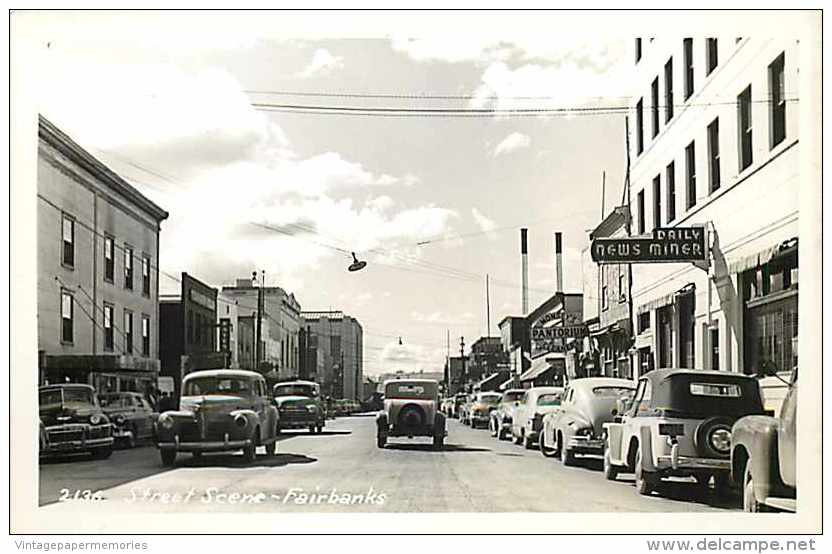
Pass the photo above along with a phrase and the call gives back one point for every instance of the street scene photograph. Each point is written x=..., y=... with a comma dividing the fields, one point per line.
x=511, y=263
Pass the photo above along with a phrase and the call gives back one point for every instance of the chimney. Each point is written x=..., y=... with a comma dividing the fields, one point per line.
x=558, y=263
x=524, y=253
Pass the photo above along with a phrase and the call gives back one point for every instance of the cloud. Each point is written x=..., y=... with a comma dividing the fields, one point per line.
x=515, y=141
x=484, y=223
x=323, y=62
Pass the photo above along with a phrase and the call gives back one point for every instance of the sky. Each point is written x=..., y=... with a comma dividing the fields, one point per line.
x=433, y=204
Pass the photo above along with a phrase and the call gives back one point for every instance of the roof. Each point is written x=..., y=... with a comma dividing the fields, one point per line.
x=68, y=147
x=664, y=373
x=224, y=373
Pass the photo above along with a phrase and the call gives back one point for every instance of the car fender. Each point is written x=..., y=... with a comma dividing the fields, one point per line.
x=646, y=446
x=756, y=436
x=615, y=436
x=252, y=418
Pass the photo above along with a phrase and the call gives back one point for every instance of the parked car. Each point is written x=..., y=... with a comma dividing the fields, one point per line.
x=132, y=416
x=465, y=409
x=72, y=420
x=500, y=419
x=527, y=416
x=578, y=427
x=763, y=457
x=679, y=424
x=480, y=410
x=411, y=409
x=220, y=410
x=299, y=406
x=456, y=406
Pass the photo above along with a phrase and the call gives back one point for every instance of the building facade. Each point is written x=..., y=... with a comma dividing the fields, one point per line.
x=227, y=330
x=98, y=278
x=336, y=352
x=549, y=347
x=715, y=143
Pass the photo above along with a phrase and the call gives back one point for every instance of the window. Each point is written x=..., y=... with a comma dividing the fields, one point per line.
x=670, y=179
x=641, y=212
x=128, y=332
x=128, y=267
x=715, y=389
x=604, y=289
x=687, y=46
x=640, y=126
x=622, y=296
x=654, y=97
x=68, y=236
x=690, y=174
x=745, y=127
x=67, y=313
x=643, y=322
x=638, y=49
x=109, y=260
x=668, y=90
x=145, y=276
x=711, y=55
x=145, y=335
x=657, y=201
x=713, y=154
x=777, y=108
x=108, y=326
x=714, y=331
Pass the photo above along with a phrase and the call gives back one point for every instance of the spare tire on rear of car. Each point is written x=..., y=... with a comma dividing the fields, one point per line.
x=711, y=435
x=411, y=416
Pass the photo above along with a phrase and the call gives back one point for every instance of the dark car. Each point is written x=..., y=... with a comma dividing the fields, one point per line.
x=679, y=424
x=72, y=421
x=220, y=410
x=299, y=406
x=131, y=414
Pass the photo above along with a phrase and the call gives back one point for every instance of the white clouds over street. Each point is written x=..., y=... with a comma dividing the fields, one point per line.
x=515, y=141
x=323, y=62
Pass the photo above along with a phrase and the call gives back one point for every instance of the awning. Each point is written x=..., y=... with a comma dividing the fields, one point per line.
x=666, y=300
x=540, y=365
x=644, y=340
x=750, y=261
x=488, y=380
x=506, y=384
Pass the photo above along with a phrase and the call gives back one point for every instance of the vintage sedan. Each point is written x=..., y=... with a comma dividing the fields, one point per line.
x=527, y=416
x=578, y=427
x=482, y=406
x=679, y=424
x=411, y=409
x=220, y=410
x=131, y=414
x=299, y=406
x=500, y=421
x=72, y=420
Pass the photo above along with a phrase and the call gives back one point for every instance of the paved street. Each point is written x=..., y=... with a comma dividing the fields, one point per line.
x=474, y=473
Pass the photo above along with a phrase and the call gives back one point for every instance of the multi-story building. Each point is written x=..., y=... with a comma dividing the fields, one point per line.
x=335, y=351
x=488, y=363
x=715, y=143
x=549, y=348
x=227, y=330
x=98, y=278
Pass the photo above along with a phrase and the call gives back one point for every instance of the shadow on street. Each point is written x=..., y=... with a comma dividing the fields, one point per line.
x=237, y=460
x=426, y=447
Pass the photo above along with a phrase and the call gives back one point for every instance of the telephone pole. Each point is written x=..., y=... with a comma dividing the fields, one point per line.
x=462, y=357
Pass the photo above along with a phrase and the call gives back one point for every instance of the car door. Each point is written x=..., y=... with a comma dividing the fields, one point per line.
x=561, y=417
x=788, y=429
x=261, y=407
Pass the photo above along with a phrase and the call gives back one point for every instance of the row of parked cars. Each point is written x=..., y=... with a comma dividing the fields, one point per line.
x=706, y=425
x=219, y=410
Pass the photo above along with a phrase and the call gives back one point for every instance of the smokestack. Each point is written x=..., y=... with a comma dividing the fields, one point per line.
x=558, y=263
x=524, y=254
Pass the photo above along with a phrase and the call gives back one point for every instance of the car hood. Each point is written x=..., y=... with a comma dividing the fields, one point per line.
x=215, y=403
x=67, y=412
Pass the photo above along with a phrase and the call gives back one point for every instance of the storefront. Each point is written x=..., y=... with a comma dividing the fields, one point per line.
x=106, y=373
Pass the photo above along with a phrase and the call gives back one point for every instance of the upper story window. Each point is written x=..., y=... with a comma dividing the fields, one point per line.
x=746, y=152
x=687, y=46
x=640, y=126
x=670, y=180
x=690, y=174
x=145, y=275
x=128, y=267
x=605, y=300
x=668, y=90
x=654, y=98
x=145, y=335
x=657, y=201
x=67, y=316
x=109, y=259
x=713, y=154
x=640, y=200
x=108, y=327
x=128, y=332
x=711, y=55
x=777, y=108
x=68, y=241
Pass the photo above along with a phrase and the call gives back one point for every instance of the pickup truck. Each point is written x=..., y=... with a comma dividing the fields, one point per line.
x=763, y=457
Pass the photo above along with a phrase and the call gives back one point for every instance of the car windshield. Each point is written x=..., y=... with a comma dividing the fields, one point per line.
x=512, y=396
x=219, y=385
x=613, y=392
x=410, y=390
x=116, y=401
x=549, y=399
x=296, y=389
x=68, y=395
x=489, y=398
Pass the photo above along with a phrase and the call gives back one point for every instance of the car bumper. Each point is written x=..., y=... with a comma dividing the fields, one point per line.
x=204, y=446
x=692, y=462
x=76, y=446
x=122, y=434
x=479, y=418
x=298, y=424
x=586, y=445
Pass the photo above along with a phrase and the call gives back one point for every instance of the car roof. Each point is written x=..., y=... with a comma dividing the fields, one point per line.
x=66, y=386
x=294, y=397
x=412, y=381
x=119, y=393
x=297, y=382
x=545, y=390
x=667, y=372
x=592, y=382
x=223, y=373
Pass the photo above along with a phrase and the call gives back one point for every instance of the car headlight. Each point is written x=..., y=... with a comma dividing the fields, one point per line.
x=165, y=421
x=312, y=408
x=119, y=419
x=240, y=420
x=720, y=440
x=96, y=419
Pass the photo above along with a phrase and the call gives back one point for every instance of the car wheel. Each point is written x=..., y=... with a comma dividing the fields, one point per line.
x=501, y=433
x=567, y=457
x=102, y=453
x=168, y=457
x=381, y=440
x=518, y=439
x=610, y=471
x=438, y=442
x=528, y=442
x=197, y=454
x=250, y=451
x=271, y=448
x=131, y=440
x=749, y=499
x=545, y=450
x=492, y=427
x=645, y=480
x=312, y=429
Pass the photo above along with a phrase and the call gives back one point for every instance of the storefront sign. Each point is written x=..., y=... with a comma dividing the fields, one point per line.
x=546, y=333
x=202, y=299
x=677, y=244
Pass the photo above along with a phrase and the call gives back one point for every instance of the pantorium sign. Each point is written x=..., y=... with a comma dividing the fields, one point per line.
x=676, y=244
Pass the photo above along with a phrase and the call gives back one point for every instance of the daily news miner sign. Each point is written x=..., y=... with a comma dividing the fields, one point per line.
x=677, y=244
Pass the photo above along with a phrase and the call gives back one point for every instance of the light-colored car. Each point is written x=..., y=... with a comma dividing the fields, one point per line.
x=411, y=409
x=465, y=409
x=133, y=417
x=221, y=410
x=763, y=457
x=482, y=406
x=679, y=424
x=578, y=427
x=499, y=423
x=527, y=416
